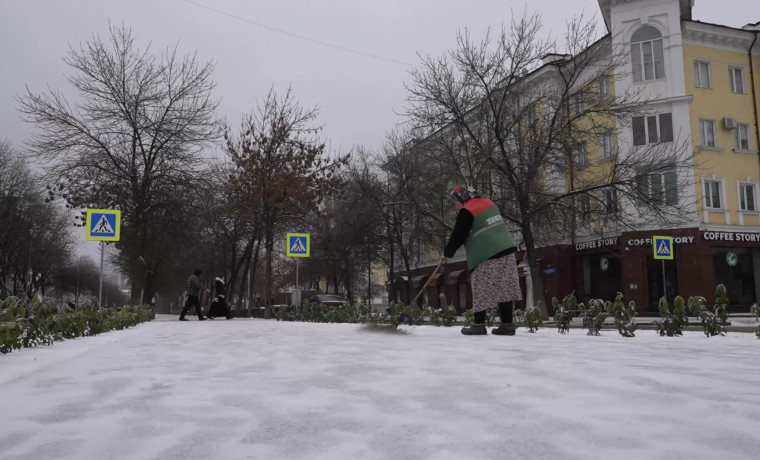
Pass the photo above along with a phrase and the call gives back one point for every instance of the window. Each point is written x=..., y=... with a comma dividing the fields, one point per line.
x=712, y=194
x=702, y=74
x=658, y=188
x=707, y=133
x=584, y=209
x=608, y=146
x=578, y=106
x=653, y=129
x=605, y=87
x=741, y=137
x=736, y=79
x=581, y=154
x=647, y=55
x=610, y=201
x=747, y=197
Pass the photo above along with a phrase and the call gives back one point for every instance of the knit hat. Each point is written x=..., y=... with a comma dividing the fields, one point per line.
x=463, y=192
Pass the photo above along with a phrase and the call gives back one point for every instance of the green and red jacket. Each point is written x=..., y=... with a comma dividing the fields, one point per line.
x=482, y=230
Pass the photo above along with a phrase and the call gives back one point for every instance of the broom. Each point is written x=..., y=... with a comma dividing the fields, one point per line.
x=403, y=315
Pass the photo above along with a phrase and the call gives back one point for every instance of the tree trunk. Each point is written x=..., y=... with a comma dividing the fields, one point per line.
x=136, y=277
x=269, y=247
x=369, y=278
x=535, y=269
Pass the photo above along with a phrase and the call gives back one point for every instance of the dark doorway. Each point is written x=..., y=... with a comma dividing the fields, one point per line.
x=655, y=281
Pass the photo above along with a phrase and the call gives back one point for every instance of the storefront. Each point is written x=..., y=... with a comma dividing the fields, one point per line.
x=702, y=260
x=600, y=268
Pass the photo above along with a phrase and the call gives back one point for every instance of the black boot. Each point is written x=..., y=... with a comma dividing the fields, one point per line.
x=506, y=327
x=478, y=325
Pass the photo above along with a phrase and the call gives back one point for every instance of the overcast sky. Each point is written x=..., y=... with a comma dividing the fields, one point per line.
x=357, y=94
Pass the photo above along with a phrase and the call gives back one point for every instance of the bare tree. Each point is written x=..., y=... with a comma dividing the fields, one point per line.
x=522, y=122
x=139, y=129
x=281, y=167
x=35, y=237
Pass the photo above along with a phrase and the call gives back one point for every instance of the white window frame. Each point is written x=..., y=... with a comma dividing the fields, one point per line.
x=722, y=191
x=584, y=209
x=698, y=65
x=578, y=104
x=580, y=154
x=655, y=45
x=610, y=196
x=604, y=86
x=737, y=132
x=703, y=133
x=732, y=72
x=740, y=188
x=721, y=187
x=658, y=119
x=608, y=145
x=660, y=179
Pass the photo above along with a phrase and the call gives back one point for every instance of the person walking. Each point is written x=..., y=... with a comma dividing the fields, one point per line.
x=490, y=259
x=193, y=292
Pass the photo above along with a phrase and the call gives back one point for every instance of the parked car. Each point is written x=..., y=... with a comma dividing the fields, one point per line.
x=328, y=300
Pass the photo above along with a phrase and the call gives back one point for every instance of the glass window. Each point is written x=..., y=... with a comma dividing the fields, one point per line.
x=707, y=132
x=702, y=74
x=639, y=131
x=610, y=201
x=712, y=194
x=608, y=147
x=605, y=86
x=734, y=268
x=671, y=188
x=581, y=154
x=741, y=137
x=747, y=197
x=666, y=127
x=584, y=208
x=736, y=79
x=658, y=188
x=647, y=56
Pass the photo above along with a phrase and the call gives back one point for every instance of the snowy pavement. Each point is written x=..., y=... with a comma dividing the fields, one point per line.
x=256, y=389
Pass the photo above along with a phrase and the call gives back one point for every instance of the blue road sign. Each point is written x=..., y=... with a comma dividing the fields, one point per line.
x=103, y=225
x=297, y=245
x=663, y=247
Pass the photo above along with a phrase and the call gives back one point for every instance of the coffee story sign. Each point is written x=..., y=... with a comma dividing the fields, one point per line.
x=732, y=236
x=613, y=241
x=594, y=244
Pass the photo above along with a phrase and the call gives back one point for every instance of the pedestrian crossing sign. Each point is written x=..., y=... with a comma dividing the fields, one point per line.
x=103, y=225
x=297, y=245
x=663, y=247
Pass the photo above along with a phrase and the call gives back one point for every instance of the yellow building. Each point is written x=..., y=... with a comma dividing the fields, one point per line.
x=701, y=81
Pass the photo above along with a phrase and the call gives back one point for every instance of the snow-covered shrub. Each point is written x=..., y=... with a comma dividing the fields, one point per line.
x=756, y=311
x=530, y=318
x=623, y=315
x=565, y=312
x=448, y=316
x=38, y=322
x=593, y=315
x=713, y=320
x=673, y=321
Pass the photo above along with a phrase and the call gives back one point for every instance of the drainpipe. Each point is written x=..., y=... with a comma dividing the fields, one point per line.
x=754, y=92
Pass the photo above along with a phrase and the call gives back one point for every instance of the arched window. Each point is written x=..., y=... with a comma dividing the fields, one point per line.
x=647, y=57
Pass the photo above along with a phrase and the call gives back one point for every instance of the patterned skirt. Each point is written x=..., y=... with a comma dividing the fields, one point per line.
x=495, y=281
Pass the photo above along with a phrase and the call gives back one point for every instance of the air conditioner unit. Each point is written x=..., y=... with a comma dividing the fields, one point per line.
x=729, y=123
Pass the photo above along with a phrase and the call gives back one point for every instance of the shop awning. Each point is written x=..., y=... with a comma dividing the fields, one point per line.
x=459, y=276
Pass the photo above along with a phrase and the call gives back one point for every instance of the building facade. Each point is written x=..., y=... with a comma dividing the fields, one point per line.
x=701, y=82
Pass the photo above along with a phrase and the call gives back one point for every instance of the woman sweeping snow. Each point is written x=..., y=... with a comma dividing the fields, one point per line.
x=490, y=250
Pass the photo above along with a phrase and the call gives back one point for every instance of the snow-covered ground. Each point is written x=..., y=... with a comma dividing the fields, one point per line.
x=255, y=389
